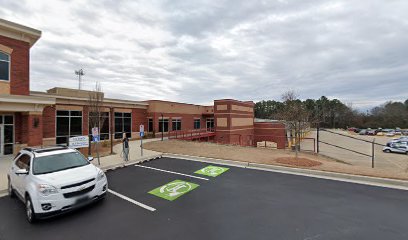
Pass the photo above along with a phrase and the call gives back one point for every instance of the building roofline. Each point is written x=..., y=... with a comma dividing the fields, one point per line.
x=165, y=101
x=106, y=100
x=20, y=32
x=234, y=100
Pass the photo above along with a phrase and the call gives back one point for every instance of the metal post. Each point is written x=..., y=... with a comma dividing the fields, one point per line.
x=372, y=153
x=141, y=146
x=162, y=127
x=317, y=138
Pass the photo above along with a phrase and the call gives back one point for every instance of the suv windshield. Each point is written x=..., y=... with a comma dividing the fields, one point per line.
x=58, y=162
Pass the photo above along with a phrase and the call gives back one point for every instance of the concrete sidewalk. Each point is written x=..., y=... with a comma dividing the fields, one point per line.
x=134, y=154
x=107, y=162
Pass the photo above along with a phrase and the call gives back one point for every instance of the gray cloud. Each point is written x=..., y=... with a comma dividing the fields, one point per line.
x=197, y=51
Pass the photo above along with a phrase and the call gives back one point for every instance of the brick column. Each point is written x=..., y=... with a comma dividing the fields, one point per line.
x=32, y=130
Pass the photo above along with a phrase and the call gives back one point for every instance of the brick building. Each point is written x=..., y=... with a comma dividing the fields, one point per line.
x=29, y=118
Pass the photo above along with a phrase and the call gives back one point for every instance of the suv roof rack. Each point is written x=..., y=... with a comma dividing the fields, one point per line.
x=46, y=149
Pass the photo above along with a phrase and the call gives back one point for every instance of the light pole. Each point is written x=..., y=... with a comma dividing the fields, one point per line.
x=80, y=73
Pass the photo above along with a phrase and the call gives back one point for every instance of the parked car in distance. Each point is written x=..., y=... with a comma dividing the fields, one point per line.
x=390, y=134
x=353, y=129
x=362, y=132
x=54, y=180
x=396, y=148
x=372, y=132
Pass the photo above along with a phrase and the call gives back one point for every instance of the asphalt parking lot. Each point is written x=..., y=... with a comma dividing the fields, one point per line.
x=239, y=203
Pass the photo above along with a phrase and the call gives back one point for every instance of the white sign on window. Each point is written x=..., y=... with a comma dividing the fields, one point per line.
x=79, y=142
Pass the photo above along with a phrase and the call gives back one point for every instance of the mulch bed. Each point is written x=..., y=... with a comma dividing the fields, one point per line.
x=299, y=162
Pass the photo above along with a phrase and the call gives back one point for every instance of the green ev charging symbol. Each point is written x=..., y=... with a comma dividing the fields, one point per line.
x=212, y=171
x=173, y=190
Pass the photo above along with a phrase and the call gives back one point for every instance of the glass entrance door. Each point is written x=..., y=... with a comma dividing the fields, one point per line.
x=6, y=134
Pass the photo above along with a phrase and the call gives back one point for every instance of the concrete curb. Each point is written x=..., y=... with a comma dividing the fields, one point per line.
x=132, y=162
x=366, y=180
x=206, y=159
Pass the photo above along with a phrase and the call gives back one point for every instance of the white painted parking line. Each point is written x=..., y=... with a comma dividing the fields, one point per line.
x=132, y=201
x=162, y=170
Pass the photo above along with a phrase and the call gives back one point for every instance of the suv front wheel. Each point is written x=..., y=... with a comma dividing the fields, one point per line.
x=30, y=214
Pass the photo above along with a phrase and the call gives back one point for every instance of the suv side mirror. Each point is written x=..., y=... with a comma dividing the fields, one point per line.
x=22, y=172
x=90, y=159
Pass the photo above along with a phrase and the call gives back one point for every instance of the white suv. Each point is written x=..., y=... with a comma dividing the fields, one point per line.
x=54, y=180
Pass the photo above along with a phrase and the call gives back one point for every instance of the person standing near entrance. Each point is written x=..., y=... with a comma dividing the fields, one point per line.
x=125, y=150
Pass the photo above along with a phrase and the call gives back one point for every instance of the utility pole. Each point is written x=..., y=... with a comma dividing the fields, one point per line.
x=80, y=73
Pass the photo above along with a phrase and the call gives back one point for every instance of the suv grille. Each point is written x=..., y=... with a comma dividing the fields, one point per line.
x=79, y=193
x=78, y=184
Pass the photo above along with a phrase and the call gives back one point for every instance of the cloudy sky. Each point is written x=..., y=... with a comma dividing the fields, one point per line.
x=197, y=51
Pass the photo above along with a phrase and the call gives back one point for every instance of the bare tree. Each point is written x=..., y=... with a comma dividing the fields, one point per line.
x=295, y=115
x=96, y=109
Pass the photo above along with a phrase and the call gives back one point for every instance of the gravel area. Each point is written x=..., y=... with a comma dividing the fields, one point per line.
x=268, y=156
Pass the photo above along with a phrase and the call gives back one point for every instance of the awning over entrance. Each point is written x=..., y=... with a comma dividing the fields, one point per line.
x=20, y=103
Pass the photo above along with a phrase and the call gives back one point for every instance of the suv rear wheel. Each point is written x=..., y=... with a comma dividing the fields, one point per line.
x=30, y=214
x=10, y=188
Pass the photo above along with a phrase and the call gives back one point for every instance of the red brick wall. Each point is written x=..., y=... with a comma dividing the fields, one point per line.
x=85, y=121
x=273, y=132
x=139, y=116
x=239, y=135
x=187, y=120
x=18, y=128
x=20, y=65
x=32, y=133
x=49, y=122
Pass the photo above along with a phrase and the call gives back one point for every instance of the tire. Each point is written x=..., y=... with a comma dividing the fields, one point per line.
x=387, y=150
x=10, y=189
x=30, y=214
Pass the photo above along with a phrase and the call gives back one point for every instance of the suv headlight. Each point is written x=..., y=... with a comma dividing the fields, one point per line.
x=46, y=189
x=101, y=175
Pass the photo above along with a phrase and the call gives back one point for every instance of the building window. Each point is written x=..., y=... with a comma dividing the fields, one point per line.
x=197, y=123
x=103, y=125
x=4, y=66
x=69, y=124
x=150, y=125
x=123, y=124
x=176, y=124
x=163, y=123
x=210, y=124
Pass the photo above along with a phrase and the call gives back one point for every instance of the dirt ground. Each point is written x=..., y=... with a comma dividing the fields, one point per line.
x=267, y=156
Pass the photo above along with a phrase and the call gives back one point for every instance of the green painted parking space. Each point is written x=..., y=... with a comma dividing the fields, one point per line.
x=212, y=171
x=173, y=190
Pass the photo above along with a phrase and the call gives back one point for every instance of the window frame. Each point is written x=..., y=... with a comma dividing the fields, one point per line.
x=5, y=144
x=128, y=134
x=69, y=116
x=161, y=125
x=150, y=125
x=199, y=123
x=9, y=66
x=176, y=121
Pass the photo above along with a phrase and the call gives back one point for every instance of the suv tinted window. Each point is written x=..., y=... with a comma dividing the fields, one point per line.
x=23, y=162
